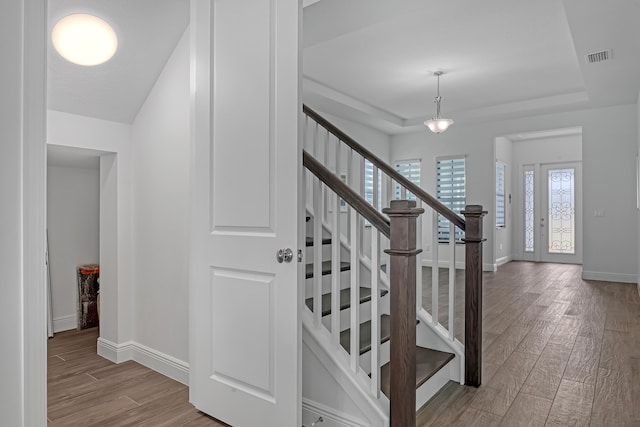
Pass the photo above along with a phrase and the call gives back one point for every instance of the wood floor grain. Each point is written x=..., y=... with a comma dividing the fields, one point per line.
x=85, y=389
x=557, y=351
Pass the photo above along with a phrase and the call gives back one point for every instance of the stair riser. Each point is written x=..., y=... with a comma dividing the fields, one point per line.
x=345, y=282
x=427, y=390
x=385, y=354
x=345, y=316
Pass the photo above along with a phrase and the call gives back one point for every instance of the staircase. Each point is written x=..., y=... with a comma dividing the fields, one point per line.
x=372, y=354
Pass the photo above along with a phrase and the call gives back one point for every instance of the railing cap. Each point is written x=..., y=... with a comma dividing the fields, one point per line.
x=473, y=210
x=403, y=208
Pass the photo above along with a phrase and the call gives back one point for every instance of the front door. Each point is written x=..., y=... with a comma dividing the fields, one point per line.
x=561, y=219
x=245, y=336
x=552, y=208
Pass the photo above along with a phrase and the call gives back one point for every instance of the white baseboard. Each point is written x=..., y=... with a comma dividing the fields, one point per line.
x=163, y=363
x=153, y=359
x=311, y=411
x=65, y=323
x=503, y=260
x=609, y=277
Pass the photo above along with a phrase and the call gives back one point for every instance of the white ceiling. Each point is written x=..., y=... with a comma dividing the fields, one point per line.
x=148, y=31
x=372, y=60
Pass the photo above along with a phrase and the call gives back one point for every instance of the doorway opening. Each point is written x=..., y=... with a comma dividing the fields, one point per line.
x=547, y=202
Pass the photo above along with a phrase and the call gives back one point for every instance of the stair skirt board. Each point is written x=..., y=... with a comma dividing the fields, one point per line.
x=162, y=363
x=311, y=411
x=329, y=383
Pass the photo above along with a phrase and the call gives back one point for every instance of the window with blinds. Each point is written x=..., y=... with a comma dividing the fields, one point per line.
x=450, y=190
x=501, y=221
x=410, y=169
x=368, y=184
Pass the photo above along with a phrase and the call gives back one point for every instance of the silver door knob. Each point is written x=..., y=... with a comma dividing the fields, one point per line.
x=284, y=255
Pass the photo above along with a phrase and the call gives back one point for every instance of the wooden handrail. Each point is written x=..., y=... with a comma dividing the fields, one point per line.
x=347, y=194
x=386, y=168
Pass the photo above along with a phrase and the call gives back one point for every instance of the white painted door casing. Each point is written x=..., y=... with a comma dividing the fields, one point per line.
x=245, y=334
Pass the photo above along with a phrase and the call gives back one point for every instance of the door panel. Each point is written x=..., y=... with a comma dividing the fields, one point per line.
x=245, y=331
x=561, y=216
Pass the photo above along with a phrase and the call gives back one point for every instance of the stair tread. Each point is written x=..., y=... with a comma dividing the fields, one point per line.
x=326, y=268
x=428, y=362
x=365, y=334
x=325, y=241
x=345, y=299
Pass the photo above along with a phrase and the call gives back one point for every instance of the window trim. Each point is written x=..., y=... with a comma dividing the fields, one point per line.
x=459, y=234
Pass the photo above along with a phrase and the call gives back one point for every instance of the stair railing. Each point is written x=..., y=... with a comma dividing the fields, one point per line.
x=328, y=193
x=329, y=145
x=400, y=231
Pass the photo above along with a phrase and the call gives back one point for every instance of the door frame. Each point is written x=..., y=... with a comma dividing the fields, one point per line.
x=539, y=193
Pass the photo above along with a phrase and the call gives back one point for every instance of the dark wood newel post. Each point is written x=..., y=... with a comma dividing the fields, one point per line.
x=402, y=215
x=473, y=295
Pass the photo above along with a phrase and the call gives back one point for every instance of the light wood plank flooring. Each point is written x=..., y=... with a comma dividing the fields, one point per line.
x=86, y=390
x=557, y=351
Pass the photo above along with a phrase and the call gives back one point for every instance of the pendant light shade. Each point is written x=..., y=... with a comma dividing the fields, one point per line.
x=438, y=124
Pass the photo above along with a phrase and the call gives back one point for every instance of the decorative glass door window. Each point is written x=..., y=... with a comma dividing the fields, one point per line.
x=529, y=211
x=561, y=211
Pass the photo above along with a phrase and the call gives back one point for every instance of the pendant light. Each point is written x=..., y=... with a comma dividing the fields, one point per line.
x=438, y=124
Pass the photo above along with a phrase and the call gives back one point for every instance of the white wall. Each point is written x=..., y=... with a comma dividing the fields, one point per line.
x=161, y=141
x=11, y=358
x=22, y=194
x=73, y=213
x=374, y=140
x=116, y=277
x=502, y=247
x=610, y=245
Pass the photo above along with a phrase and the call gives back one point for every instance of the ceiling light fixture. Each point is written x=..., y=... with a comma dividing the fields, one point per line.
x=438, y=124
x=84, y=39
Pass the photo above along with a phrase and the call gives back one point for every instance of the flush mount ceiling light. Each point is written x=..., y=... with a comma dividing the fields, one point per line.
x=438, y=124
x=84, y=39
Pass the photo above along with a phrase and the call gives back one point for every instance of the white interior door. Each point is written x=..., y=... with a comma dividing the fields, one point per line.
x=245, y=335
x=561, y=213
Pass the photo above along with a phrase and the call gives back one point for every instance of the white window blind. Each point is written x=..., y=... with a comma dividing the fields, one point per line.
x=500, y=199
x=368, y=184
x=450, y=190
x=410, y=169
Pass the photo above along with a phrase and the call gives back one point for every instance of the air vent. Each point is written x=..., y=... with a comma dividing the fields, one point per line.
x=603, y=55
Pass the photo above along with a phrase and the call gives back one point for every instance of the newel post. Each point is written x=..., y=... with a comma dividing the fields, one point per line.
x=402, y=251
x=473, y=295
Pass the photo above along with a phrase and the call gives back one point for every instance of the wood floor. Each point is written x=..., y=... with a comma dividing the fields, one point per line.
x=86, y=390
x=558, y=351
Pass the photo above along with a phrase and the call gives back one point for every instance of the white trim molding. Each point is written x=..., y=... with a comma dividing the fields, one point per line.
x=311, y=411
x=503, y=260
x=65, y=323
x=162, y=363
x=609, y=277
